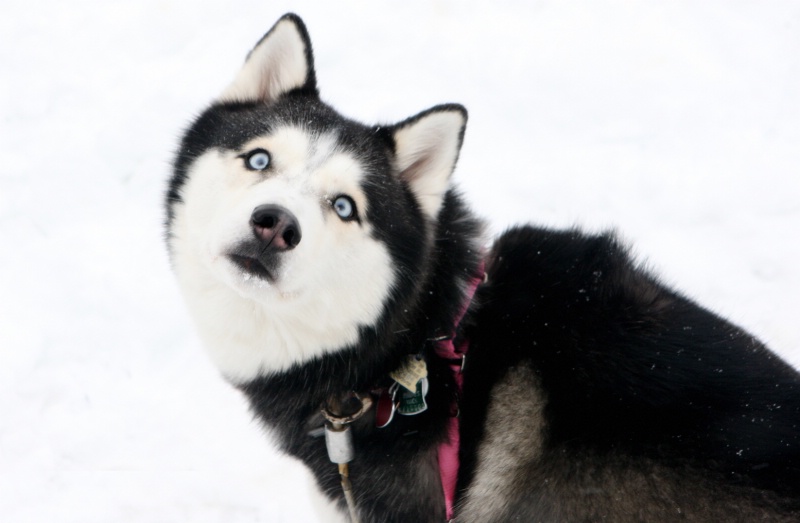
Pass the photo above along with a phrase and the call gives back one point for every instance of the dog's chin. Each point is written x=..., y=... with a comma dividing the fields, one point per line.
x=253, y=279
x=253, y=268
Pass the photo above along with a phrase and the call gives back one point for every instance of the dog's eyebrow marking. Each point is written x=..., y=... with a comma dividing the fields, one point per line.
x=320, y=148
x=334, y=171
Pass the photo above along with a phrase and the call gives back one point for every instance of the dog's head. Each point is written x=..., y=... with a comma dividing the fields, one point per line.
x=292, y=228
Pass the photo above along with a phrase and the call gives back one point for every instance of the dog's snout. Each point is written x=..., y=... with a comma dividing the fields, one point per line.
x=276, y=226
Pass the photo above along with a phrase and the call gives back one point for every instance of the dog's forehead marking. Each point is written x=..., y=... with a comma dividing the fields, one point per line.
x=324, y=166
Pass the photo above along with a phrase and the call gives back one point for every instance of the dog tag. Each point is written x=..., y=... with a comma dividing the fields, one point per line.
x=414, y=402
x=410, y=373
x=387, y=404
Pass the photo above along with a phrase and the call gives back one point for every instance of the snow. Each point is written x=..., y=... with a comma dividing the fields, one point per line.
x=676, y=123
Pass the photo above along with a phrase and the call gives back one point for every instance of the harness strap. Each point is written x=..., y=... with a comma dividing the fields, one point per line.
x=448, y=449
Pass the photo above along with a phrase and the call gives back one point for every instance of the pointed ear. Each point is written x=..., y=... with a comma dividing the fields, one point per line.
x=280, y=62
x=426, y=150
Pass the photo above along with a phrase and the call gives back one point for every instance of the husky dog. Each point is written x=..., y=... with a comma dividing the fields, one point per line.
x=328, y=265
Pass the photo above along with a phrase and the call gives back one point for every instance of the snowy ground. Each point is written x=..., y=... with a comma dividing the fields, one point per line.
x=678, y=123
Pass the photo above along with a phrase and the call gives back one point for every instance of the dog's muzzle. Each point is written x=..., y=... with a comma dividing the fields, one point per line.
x=276, y=231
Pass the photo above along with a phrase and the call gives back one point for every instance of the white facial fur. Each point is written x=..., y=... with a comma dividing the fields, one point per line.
x=333, y=282
x=338, y=277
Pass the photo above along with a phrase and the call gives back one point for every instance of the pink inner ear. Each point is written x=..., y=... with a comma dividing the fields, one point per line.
x=427, y=148
x=417, y=169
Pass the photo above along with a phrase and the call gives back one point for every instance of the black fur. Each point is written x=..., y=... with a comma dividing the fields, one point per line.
x=634, y=379
x=630, y=368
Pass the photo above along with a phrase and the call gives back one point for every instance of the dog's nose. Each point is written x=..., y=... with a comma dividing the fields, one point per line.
x=276, y=226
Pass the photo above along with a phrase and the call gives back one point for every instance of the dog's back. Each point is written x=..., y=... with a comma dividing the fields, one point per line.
x=612, y=397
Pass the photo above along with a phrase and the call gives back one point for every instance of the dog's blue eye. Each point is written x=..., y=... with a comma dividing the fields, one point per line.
x=344, y=207
x=257, y=160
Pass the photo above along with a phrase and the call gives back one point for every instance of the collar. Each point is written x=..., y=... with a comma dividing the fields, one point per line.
x=450, y=349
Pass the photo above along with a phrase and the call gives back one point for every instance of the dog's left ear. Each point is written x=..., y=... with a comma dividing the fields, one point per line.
x=426, y=150
x=280, y=62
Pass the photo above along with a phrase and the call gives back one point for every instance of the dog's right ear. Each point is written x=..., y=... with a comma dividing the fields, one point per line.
x=280, y=62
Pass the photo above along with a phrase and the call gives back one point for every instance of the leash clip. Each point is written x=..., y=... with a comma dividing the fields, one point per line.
x=339, y=442
x=338, y=420
x=338, y=439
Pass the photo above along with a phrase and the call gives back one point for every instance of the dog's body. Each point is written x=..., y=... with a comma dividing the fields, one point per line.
x=317, y=254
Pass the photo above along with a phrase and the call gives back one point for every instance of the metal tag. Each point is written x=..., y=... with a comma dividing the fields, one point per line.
x=386, y=406
x=410, y=373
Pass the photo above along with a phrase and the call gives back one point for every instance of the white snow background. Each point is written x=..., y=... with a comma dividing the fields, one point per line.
x=675, y=122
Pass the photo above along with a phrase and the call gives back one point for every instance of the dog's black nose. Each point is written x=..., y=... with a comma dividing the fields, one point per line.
x=276, y=226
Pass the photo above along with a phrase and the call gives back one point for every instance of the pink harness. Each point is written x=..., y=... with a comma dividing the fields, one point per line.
x=448, y=449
